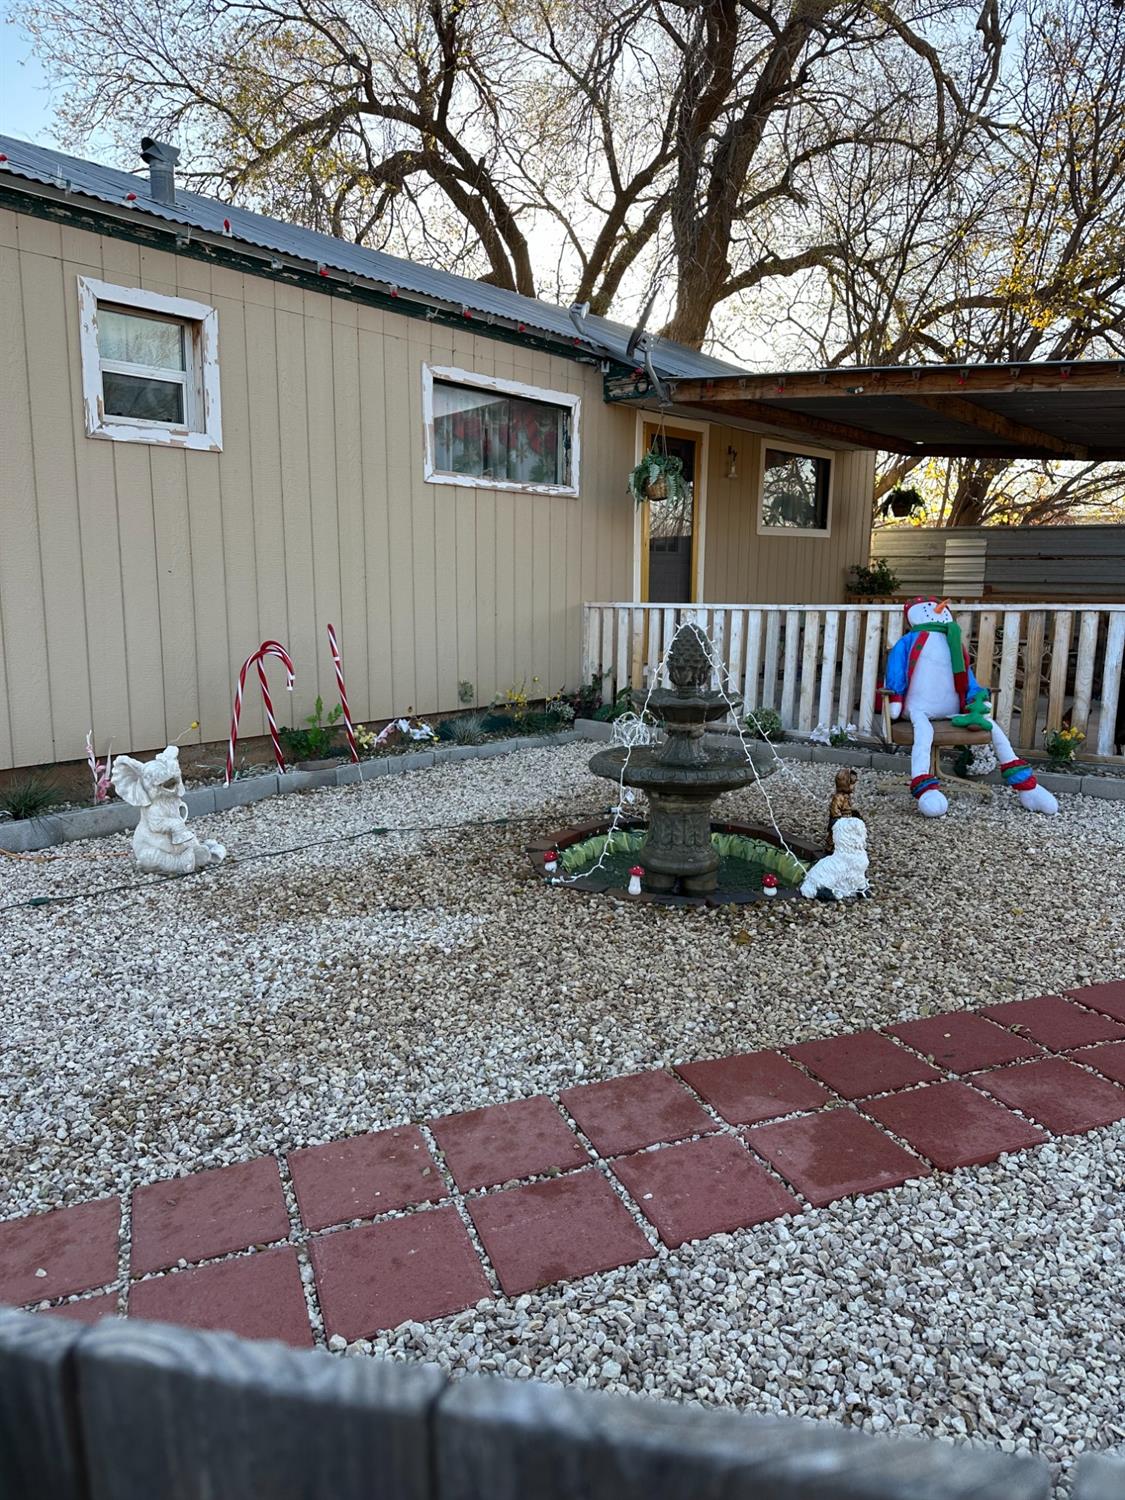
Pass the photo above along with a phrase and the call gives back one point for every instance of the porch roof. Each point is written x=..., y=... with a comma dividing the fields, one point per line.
x=1025, y=410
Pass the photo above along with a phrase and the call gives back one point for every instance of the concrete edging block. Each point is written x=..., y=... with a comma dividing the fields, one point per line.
x=92, y=822
x=200, y=802
x=14, y=835
x=414, y=760
x=1111, y=788
x=241, y=793
x=349, y=775
x=371, y=770
x=833, y=756
x=593, y=729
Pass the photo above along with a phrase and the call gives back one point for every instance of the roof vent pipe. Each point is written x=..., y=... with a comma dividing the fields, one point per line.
x=161, y=159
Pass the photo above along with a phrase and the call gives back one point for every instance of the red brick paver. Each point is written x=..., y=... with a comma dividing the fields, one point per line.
x=834, y=1154
x=752, y=1086
x=364, y=1176
x=208, y=1214
x=76, y=1247
x=411, y=1269
x=1108, y=998
x=706, y=1187
x=862, y=1063
x=86, y=1309
x=962, y=1042
x=1065, y=1098
x=1056, y=1022
x=953, y=1125
x=1109, y=1059
x=258, y=1296
x=484, y=1147
x=557, y=1231
x=643, y=1109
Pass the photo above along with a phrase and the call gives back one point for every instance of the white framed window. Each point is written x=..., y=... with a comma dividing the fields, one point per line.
x=794, y=490
x=150, y=367
x=498, y=434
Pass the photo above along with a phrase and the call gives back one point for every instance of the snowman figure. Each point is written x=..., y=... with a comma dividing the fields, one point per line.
x=929, y=677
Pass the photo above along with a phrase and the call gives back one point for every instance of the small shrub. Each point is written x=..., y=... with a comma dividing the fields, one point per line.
x=622, y=704
x=587, y=700
x=317, y=741
x=498, y=723
x=29, y=797
x=765, y=724
x=468, y=729
x=878, y=578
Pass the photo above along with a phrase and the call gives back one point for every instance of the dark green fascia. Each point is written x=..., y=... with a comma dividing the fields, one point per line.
x=143, y=232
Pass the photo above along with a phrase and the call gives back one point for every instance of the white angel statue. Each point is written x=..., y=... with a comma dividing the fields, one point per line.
x=163, y=844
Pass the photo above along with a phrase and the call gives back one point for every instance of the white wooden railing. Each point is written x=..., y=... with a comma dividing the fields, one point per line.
x=820, y=664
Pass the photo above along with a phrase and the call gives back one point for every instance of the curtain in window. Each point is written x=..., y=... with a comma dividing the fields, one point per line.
x=504, y=438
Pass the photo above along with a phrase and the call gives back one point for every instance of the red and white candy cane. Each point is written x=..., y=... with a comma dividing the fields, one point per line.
x=339, y=665
x=267, y=648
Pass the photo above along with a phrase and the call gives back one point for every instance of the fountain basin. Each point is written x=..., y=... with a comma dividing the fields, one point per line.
x=744, y=852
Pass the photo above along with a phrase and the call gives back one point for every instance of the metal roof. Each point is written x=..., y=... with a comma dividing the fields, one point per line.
x=127, y=193
x=1020, y=410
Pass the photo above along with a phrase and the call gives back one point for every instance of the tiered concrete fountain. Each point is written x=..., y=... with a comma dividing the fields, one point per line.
x=687, y=858
x=681, y=776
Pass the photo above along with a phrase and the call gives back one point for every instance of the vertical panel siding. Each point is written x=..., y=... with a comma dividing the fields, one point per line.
x=134, y=580
x=741, y=565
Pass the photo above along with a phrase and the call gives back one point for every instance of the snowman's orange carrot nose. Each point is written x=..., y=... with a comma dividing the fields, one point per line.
x=941, y=604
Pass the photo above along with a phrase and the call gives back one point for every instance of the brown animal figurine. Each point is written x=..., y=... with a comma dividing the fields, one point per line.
x=841, y=804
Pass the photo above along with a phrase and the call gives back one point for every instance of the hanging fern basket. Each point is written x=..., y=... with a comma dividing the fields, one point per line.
x=658, y=476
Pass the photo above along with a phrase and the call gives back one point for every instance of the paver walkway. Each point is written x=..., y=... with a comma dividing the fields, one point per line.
x=552, y=1190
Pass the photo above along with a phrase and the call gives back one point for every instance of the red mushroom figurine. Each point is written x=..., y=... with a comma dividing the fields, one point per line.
x=550, y=862
x=769, y=885
x=636, y=875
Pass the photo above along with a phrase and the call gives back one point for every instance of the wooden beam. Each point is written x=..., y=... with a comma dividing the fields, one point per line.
x=1009, y=450
x=805, y=426
x=957, y=409
x=921, y=380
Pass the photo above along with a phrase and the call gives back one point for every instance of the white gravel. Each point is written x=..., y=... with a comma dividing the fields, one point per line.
x=346, y=986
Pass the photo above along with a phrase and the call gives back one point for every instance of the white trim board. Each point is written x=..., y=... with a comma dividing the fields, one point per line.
x=203, y=431
x=454, y=376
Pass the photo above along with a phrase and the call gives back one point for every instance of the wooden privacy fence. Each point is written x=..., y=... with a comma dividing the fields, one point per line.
x=1046, y=664
x=138, y=1411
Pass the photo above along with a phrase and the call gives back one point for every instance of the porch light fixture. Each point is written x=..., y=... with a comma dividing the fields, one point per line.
x=732, y=463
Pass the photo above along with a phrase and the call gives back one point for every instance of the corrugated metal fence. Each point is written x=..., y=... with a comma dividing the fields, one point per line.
x=135, y=1411
x=1063, y=563
x=1047, y=664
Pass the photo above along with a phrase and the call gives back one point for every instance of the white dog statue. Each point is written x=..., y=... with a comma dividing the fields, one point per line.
x=929, y=677
x=163, y=844
x=843, y=872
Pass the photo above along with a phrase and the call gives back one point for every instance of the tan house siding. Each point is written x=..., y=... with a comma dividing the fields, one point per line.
x=134, y=579
x=742, y=566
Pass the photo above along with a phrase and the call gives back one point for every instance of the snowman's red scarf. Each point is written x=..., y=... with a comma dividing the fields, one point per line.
x=957, y=658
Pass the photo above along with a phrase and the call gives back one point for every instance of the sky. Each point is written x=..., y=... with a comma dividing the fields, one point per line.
x=24, y=106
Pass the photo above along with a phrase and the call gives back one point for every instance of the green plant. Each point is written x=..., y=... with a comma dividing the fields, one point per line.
x=467, y=729
x=622, y=704
x=586, y=701
x=1062, y=745
x=29, y=797
x=764, y=724
x=658, y=476
x=315, y=742
x=901, y=502
x=497, y=723
x=466, y=693
x=878, y=578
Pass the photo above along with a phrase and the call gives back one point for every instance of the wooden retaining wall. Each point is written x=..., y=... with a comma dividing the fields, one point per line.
x=134, y=1411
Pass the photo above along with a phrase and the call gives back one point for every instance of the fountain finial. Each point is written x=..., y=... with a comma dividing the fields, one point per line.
x=689, y=661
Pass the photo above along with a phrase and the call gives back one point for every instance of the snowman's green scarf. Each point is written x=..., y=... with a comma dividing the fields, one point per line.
x=952, y=632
